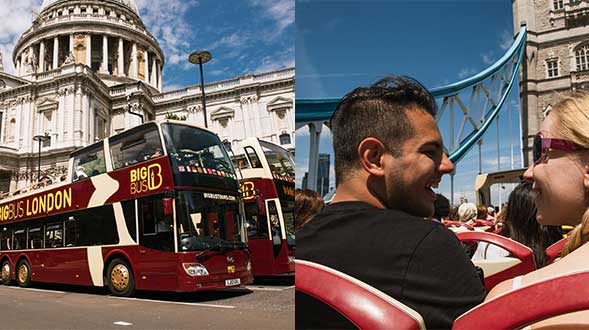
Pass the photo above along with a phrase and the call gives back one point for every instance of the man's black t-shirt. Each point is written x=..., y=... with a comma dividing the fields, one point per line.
x=412, y=259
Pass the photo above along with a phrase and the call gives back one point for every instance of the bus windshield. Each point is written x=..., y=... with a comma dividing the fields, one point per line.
x=192, y=148
x=279, y=160
x=207, y=221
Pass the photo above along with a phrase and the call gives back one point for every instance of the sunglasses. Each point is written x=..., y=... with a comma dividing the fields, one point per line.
x=542, y=144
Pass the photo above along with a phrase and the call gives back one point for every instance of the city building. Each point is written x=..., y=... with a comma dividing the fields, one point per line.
x=323, y=174
x=87, y=69
x=556, y=60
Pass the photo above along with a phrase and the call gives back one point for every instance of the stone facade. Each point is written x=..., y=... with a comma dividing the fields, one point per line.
x=558, y=31
x=100, y=74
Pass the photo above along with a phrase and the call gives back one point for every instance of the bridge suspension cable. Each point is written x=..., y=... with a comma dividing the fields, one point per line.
x=474, y=102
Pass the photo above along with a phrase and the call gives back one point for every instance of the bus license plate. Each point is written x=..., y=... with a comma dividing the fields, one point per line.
x=232, y=282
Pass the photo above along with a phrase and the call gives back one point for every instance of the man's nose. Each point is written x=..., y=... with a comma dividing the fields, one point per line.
x=446, y=165
x=529, y=173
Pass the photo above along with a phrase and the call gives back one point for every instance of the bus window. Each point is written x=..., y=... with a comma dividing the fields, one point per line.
x=19, y=240
x=5, y=239
x=253, y=157
x=54, y=235
x=95, y=226
x=156, y=228
x=274, y=223
x=135, y=146
x=89, y=162
x=257, y=226
x=35, y=238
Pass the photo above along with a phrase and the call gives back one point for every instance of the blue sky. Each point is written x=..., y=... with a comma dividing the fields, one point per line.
x=344, y=44
x=244, y=36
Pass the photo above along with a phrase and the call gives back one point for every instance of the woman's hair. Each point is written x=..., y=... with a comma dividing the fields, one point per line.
x=572, y=123
x=521, y=225
x=482, y=212
x=307, y=204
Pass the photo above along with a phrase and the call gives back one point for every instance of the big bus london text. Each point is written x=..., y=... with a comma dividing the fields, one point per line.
x=156, y=207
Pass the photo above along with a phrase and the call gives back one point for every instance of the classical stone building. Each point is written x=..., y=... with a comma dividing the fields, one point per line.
x=556, y=58
x=87, y=69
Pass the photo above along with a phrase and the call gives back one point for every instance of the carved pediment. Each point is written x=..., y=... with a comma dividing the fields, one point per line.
x=279, y=103
x=223, y=113
x=46, y=104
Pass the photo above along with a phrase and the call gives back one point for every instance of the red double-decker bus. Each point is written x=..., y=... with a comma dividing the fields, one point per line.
x=268, y=189
x=156, y=207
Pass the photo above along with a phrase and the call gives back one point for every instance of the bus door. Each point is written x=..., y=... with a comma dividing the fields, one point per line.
x=277, y=231
x=157, y=265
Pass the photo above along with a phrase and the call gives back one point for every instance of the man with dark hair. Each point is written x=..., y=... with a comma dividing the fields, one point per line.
x=388, y=156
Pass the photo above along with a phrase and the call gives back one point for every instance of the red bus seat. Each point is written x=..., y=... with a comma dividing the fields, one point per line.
x=362, y=304
x=554, y=250
x=497, y=271
x=533, y=303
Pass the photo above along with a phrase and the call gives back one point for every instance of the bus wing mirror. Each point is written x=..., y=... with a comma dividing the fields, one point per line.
x=168, y=206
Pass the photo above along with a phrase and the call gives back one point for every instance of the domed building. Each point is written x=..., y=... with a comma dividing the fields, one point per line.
x=87, y=69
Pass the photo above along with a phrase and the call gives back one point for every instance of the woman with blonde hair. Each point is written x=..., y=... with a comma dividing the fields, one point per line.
x=560, y=176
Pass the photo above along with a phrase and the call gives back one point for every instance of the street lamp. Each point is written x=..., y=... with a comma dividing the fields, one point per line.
x=40, y=139
x=201, y=57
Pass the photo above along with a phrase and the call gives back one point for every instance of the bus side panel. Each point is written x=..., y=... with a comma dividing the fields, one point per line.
x=262, y=256
x=282, y=263
x=66, y=266
x=153, y=270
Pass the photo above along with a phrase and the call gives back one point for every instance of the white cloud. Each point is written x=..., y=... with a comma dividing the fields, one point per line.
x=165, y=20
x=466, y=72
x=505, y=40
x=282, y=12
x=15, y=18
x=488, y=58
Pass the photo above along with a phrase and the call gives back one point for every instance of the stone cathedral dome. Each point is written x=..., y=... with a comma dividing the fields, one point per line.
x=106, y=35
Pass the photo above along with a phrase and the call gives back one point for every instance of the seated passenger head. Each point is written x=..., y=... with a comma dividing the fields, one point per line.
x=388, y=148
x=560, y=166
x=467, y=212
x=441, y=207
x=307, y=204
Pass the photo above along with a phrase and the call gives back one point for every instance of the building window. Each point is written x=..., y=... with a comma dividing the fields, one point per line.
x=284, y=138
x=552, y=66
x=582, y=58
x=558, y=4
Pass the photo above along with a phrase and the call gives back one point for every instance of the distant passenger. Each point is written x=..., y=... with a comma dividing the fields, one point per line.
x=521, y=226
x=441, y=208
x=467, y=212
x=81, y=173
x=157, y=153
x=307, y=204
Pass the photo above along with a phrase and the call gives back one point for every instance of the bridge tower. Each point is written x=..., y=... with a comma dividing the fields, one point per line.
x=556, y=59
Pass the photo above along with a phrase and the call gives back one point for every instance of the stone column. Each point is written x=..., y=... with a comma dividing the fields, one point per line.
x=152, y=79
x=60, y=119
x=89, y=50
x=159, y=75
x=18, y=66
x=104, y=66
x=133, y=70
x=146, y=79
x=42, y=56
x=121, y=59
x=71, y=43
x=55, y=53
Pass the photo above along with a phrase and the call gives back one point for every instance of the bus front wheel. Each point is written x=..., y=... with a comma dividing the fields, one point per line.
x=120, y=278
x=23, y=274
x=6, y=273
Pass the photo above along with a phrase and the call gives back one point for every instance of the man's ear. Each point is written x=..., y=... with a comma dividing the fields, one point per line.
x=370, y=153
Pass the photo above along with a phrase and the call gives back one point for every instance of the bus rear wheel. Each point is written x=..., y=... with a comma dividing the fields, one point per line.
x=120, y=278
x=23, y=274
x=6, y=273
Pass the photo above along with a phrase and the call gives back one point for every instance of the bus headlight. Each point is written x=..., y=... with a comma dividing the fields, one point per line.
x=249, y=266
x=195, y=269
